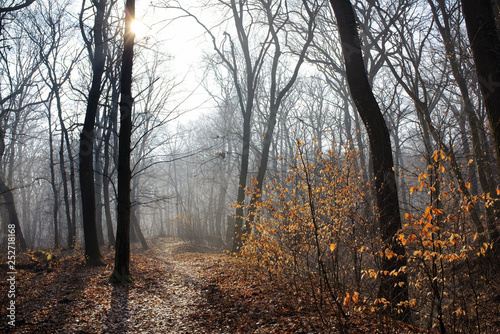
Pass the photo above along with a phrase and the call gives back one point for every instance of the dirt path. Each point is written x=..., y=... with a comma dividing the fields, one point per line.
x=165, y=297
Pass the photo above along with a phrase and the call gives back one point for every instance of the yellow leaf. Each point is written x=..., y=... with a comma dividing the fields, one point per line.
x=467, y=185
x=332, y=247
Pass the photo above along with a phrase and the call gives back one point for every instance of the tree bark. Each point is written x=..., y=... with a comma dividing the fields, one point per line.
x=485, y=45
x=53, y=185
x=393, y=288
x=71, y=219
x=137, y=228
x=92, y=252
x=109, y=156
x=106, y=181
x=240, y=200
x=121, y=272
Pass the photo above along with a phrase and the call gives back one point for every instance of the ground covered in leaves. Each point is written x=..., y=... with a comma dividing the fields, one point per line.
x=178, y=288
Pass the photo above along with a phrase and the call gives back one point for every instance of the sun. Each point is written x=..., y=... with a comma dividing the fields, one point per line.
x=139, y=28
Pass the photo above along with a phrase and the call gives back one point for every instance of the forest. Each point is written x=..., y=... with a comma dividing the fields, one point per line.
x=250, y=166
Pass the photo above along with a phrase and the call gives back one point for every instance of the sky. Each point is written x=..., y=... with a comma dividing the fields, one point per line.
x=185, y=41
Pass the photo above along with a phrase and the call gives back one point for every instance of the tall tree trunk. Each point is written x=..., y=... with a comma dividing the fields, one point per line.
x=266, y=145
x=105, y=186
x=64, y=176
x=482, y=164
x=121, y=272
x=393, y=288
x=240, y=200
x=485, y=45
x=98, y=196
x=72, y=223
x=108, y=156
x=53, y=185
x=92, y=252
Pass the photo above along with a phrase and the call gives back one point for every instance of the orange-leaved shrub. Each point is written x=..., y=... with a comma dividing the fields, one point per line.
x=448, y=264
x=316, y=232
x=314, y=227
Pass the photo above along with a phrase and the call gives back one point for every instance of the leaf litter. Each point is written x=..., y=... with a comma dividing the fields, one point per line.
x=178, y=288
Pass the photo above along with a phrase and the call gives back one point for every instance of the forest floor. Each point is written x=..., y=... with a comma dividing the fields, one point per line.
x=178, y=288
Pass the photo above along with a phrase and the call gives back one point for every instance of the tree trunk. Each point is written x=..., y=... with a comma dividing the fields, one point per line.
x=8, y=197
x=240, y=201
x=393, y=288
x=137, y=228
x=98, y=196
x=53, y=185
x=64, y=177
x=92, y=252
x=485, y=45
x=482, y=165
x=110, y=131
x=105, y=189
x=121, y=272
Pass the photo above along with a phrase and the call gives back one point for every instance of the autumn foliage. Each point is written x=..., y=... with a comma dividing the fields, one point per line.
x=316, y=229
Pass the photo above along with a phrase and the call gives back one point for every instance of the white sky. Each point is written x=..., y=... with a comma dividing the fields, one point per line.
x=185, y=41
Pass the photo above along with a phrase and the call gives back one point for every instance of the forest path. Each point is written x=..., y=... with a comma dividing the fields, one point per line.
x=165, y=298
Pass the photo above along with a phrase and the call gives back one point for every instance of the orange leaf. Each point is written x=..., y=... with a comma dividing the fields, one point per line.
x=355, y=297
x=347, y=298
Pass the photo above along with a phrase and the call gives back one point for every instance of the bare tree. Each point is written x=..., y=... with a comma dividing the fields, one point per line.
x=96, y=49
x=16, y=99
x=485, y=45
x=394, y=286
x=277, y=93
x=121, y=272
